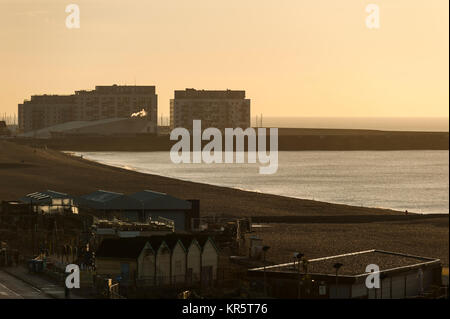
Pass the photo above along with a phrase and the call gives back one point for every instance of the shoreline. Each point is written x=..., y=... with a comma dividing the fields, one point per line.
x=80, y=155
x=65, y=167
x=317, y=228
x=289, y=139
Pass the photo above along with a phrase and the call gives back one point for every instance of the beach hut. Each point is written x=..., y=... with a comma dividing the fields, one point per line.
x=122, y=259
x=163, y=255
x=178, y=262
x=209, y=262
x=146, y=265
x=193, y=268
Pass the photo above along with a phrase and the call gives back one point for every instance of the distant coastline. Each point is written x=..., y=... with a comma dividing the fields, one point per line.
x=411, y=124
x=290, y=139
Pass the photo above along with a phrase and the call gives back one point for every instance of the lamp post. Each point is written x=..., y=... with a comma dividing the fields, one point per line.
x=382, y=277
x=265, y=249
x=143, y=211
x=299, y=257
x=337, y=266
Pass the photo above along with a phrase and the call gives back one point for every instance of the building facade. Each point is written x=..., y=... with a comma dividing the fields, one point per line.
x=219, y=109
x=46, y=110
x=116, y=101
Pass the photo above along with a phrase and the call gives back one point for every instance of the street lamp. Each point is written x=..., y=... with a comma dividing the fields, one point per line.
x=299, y=257
x=143, y=211
x=337, y=266
x=265, y=249
x=382, y=277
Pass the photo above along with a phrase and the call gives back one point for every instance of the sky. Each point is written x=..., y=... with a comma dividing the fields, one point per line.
x=301, y=58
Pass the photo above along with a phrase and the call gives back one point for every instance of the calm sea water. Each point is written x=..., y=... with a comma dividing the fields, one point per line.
x=430, y=124
x=417, y=181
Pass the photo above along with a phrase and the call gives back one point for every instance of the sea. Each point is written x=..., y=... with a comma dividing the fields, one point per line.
x=417, y=181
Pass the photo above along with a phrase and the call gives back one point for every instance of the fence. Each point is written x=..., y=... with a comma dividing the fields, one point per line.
x=153, y=285
x=180, y=281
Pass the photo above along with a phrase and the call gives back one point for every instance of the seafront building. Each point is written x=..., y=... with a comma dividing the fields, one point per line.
x=345, y=276
x=219, y=109
x=105, y=102
x=46, y=110
x=137, y=207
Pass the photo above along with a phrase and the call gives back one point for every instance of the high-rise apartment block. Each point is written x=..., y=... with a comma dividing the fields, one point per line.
x=46, y=110
x=219, y=109
x=116, y=101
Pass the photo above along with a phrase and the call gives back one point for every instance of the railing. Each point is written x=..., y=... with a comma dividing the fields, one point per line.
x=114, y=292
x=166, y=221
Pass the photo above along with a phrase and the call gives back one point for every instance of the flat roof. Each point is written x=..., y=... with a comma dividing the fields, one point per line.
x=354, y=264
x=209, y=94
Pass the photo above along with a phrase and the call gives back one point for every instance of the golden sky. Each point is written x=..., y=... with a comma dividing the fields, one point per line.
x=293, y=57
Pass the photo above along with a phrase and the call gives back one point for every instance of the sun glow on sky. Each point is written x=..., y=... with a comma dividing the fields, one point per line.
x=293, y=57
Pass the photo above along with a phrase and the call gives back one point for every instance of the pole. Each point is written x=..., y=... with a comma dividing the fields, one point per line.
x=299, y=281
x=265, y=284
x=337, y=281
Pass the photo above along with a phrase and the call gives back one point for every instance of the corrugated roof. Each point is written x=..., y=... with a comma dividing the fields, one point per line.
x=145, y=200
x=147, y=195
x=98, y=200
x=160, y=201
x=101, y=196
